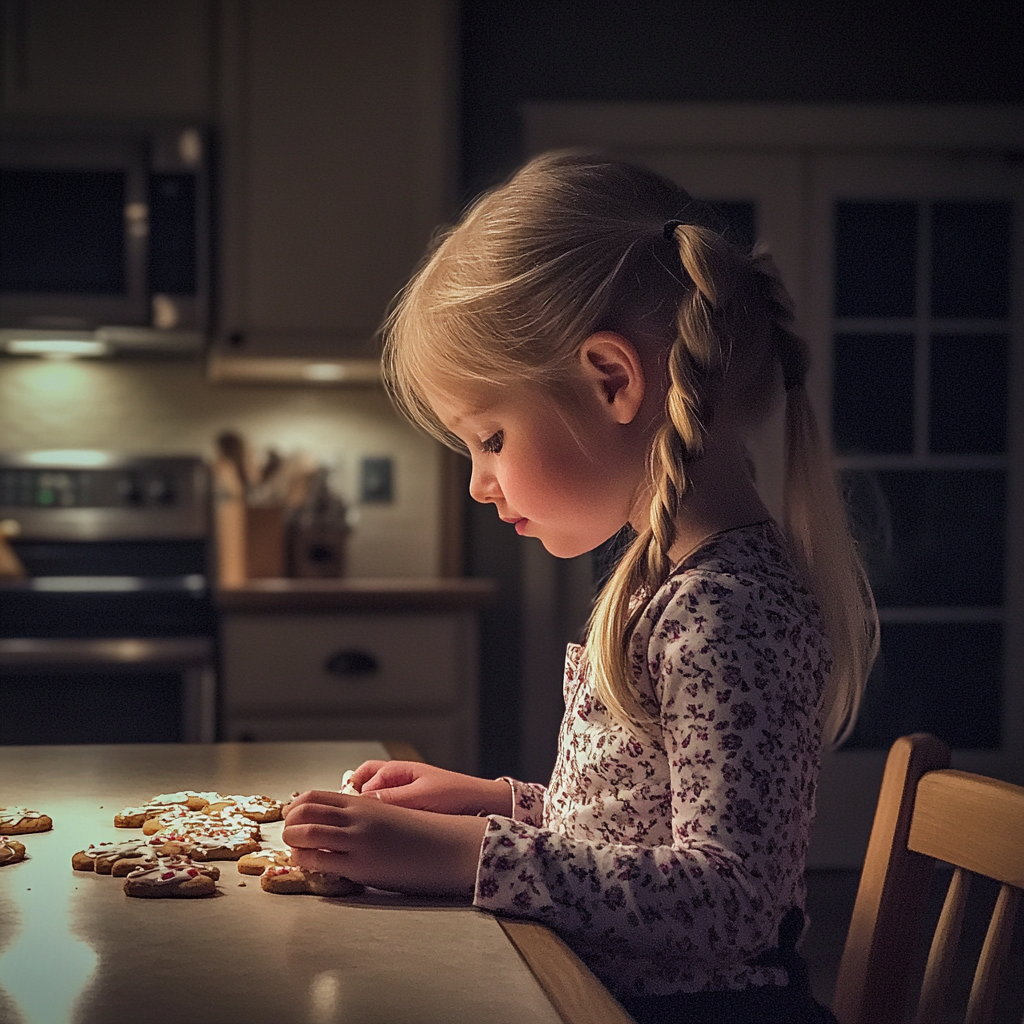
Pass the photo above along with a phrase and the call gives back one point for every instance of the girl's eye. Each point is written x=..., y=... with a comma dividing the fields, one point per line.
x=494, y=443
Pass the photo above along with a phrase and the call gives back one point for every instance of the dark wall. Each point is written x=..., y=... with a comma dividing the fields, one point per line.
x=857, y=51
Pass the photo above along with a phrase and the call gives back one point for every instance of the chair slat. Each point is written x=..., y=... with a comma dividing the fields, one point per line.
x=988, y=837
x=942, y=954
x=981, y=1004
x=872, y=981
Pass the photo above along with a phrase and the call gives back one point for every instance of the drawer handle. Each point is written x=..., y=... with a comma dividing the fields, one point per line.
x=351, y=663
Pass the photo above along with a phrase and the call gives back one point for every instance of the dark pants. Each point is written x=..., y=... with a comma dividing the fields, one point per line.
x=770, y=1004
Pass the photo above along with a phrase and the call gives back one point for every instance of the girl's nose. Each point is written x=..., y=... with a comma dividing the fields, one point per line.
x=483, y=486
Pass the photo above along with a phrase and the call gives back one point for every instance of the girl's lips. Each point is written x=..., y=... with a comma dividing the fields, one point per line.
x=521, y=525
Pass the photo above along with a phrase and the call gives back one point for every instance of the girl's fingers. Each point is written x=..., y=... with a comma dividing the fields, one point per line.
x=389, y=775
x=320, y=860
x=316, y=836
x=366, y=771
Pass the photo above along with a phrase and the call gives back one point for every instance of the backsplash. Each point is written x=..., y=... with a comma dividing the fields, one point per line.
x=169, y=407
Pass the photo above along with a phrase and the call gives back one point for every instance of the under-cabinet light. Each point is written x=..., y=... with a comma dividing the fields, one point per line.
x=57, y=348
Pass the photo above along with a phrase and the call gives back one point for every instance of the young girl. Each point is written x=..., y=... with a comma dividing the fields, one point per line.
x=601, y=355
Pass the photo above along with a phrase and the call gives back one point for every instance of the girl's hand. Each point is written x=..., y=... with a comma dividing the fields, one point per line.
x=387, y=847
x=426, y=788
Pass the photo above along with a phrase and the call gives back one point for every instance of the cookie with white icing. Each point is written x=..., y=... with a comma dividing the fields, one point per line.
x=214, y=838
x=11, y=851
x=346, y=784
x=256, y=863
x=185, y=821
x=171, y=878
x=289, y=880
x=185, y=799
x=261, y=809
x=100, y=857
x=17, y=821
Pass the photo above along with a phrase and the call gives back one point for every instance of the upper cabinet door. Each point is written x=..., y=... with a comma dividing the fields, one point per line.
x=338, y=161
x=107, y=58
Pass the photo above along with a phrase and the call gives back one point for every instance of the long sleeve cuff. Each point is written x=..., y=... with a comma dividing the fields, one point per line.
x=527, y=801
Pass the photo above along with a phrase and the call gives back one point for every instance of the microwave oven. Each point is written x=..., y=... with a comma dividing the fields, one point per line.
x=105, y=238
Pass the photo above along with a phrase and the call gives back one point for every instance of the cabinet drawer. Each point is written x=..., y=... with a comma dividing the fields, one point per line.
x=438, y=738
x=326, y=663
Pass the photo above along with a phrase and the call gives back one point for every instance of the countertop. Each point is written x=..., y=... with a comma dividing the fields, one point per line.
x=356, y=595
x=74, y=948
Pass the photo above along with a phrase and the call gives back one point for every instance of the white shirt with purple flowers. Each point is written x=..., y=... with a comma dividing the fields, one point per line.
x=666, y=858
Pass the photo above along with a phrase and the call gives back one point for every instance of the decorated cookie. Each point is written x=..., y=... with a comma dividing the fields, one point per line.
x=100, y=857
x=346, y=784
x=288, y=880
x=171, y=878
x=186, y=800
x=257, y=863
x=16, y=821
x=261, y=809
x=182, y=820
x=11, y=851
x=136, y=817
x=214, y=838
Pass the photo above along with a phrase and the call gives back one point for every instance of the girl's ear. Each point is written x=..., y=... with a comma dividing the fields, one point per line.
x=611, y=365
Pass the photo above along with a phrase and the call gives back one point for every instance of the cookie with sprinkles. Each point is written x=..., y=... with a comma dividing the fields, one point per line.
x=171, y=878
x=289, y=880
x=261, y=809
x=17, y=821
x=11, y=851
x=186, y=799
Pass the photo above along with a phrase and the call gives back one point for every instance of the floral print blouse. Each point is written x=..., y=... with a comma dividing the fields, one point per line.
x=666, y=858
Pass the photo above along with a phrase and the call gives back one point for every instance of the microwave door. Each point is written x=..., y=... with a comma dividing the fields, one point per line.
x=75, y=233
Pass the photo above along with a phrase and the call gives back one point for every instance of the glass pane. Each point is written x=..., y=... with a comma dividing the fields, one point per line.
x=873, y=393
x=876, y=259
x=930, y=538
x=938, y=677
x=968, y=394
x=971, y=259
x=62, y=231
x=738, y=222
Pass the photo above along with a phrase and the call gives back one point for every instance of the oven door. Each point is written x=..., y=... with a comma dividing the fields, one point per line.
x=95, y=690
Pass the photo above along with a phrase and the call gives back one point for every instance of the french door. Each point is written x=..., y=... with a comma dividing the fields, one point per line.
x=907, y=270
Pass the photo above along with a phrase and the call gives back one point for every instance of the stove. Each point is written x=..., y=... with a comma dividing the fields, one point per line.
x=110, y=636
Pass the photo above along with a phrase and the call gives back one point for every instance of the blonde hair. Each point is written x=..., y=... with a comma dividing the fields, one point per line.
x=574, y=244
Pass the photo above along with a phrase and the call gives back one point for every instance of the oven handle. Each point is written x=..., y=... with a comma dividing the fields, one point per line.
x=51, y=652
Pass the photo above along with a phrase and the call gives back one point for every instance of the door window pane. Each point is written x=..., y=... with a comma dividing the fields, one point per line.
x=876, y=259
x=930, y=538
x=971, y=259
x=873, y=396
x=968, y=393
x=939, y=677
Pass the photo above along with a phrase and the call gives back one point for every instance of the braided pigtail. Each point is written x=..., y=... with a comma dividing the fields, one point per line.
x=697, y=363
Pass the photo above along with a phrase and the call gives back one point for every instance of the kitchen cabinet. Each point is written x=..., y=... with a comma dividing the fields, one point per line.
x=338, y=148
x=108, y=58
x=354, y=660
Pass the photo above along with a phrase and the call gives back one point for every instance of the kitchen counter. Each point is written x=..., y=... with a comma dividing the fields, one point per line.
x=74, y=947
x=356, y=595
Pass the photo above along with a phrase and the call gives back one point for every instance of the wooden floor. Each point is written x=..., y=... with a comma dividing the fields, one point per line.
x=830, y=898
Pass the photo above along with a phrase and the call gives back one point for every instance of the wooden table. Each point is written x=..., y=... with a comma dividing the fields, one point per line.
x=74, y=948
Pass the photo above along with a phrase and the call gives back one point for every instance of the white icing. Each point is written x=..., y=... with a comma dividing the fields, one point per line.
x=166, y=871
x=15, y=815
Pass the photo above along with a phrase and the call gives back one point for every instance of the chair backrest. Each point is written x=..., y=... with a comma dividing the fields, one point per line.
x=928, y=812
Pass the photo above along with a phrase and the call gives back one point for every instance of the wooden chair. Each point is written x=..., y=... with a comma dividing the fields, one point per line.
x=928, y=812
